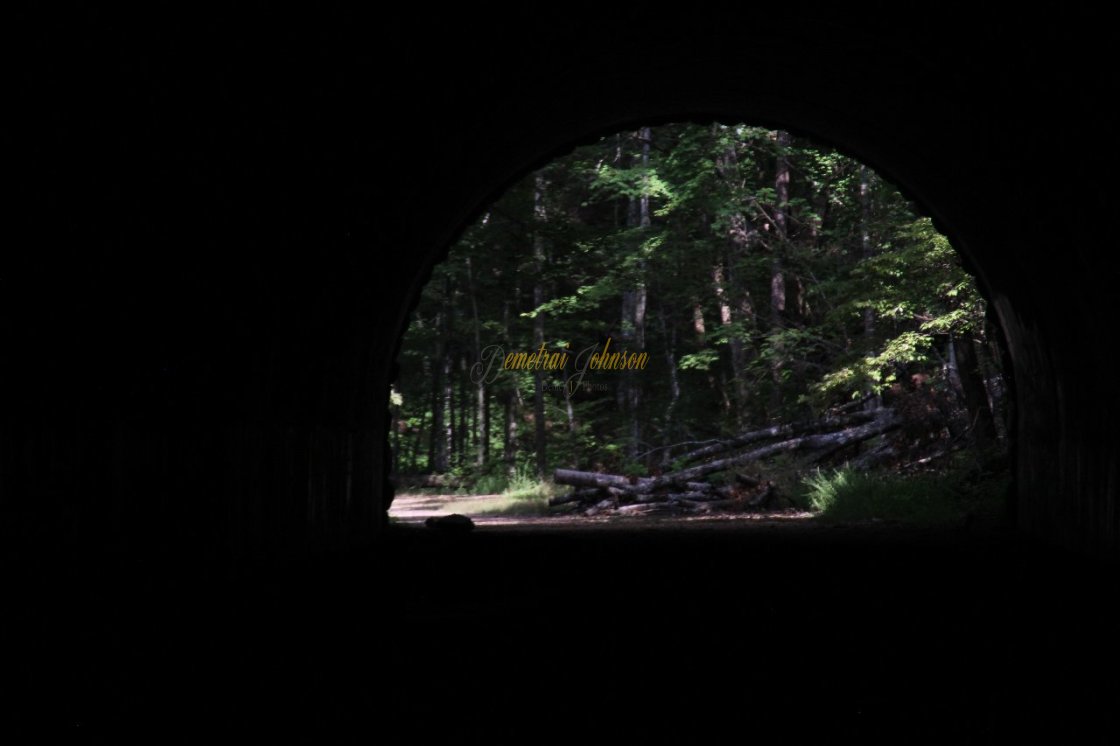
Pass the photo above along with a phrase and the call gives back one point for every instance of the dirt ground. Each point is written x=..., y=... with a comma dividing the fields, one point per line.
x=772, y=628
x=412, y=508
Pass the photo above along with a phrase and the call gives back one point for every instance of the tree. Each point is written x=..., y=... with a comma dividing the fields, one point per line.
x=659, y=241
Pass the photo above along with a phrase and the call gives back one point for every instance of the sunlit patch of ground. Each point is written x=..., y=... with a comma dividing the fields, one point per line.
x=418, y=508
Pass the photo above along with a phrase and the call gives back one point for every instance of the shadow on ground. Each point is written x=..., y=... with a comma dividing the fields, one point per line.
x=829, y=634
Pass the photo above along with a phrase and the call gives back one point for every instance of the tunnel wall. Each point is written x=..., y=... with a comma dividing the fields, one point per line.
x=226, y=224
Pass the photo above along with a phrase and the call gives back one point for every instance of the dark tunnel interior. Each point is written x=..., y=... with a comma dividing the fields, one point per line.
x=221, y=227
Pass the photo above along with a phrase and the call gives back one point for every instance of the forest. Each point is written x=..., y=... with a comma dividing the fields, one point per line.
x=691, y=315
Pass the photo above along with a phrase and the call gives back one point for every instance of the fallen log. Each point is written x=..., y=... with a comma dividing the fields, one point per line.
x=571, y=497
x=854, y=404
x=647, y=499
x=575, y=496
x=928, y=459
x=711, y=506
x=614, y=484
x=683, y=488
x=687, y=496
x=874, y=457
x=884, y=423
x=600, y=506
x=720, y=493
x=600, y=481
x=643, y=508
x=749, y=481
x=778, y=431
x=620, y=486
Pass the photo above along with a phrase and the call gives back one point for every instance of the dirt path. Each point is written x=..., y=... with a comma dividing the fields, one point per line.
x=412, y=509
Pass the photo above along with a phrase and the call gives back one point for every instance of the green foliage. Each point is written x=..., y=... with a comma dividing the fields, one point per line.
x=721, y=478
x=490, y=484
x=507, y=506
x=919, y=295
x=701, y=360
x=524, y=485
x=524, y=495
x=632, y=469
x=926, y=499
x=875, y=372
x=566, y=248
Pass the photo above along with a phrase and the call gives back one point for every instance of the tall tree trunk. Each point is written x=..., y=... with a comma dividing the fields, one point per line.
x=417, y=436
x=865, y=240
x=634, y=308
x=509, y=440
x=540, y=217
x=698, y=320
x=464, y=430
x=447, y=412
x=437, y=443
x=952, y=366
x=975, y=393
x=482, y=424
x=486, y=426
x=993, y=384
x=734, y=344
x=447, y=407
x=777, y=271
x=449, y=416
x=644, y=223
x=571, y=411
x=471, y=440
x=992, y=365
x=644, y=135
x=669, y=333
x=866, y=252
x=509, y=430
x=741, y=234
x=396, y=439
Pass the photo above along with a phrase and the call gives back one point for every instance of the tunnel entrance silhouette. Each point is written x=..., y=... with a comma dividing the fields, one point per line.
x=226, y=227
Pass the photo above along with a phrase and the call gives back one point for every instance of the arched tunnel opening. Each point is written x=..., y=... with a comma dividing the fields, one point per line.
x=201, y=331
x=809, y=624
x=791, y=341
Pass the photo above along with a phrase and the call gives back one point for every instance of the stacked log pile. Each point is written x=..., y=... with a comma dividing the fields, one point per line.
x=685, y=490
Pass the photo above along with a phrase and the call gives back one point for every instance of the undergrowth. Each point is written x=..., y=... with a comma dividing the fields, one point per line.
x=931, y=498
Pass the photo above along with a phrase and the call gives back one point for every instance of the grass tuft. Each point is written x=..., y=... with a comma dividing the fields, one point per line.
x=523, y=495
x=924, y=499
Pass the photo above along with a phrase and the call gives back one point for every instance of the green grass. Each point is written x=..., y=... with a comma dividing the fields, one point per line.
x=524, y=495
x=490, y=484
x=436, y=491
x=506, y=506
x=925, y=499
